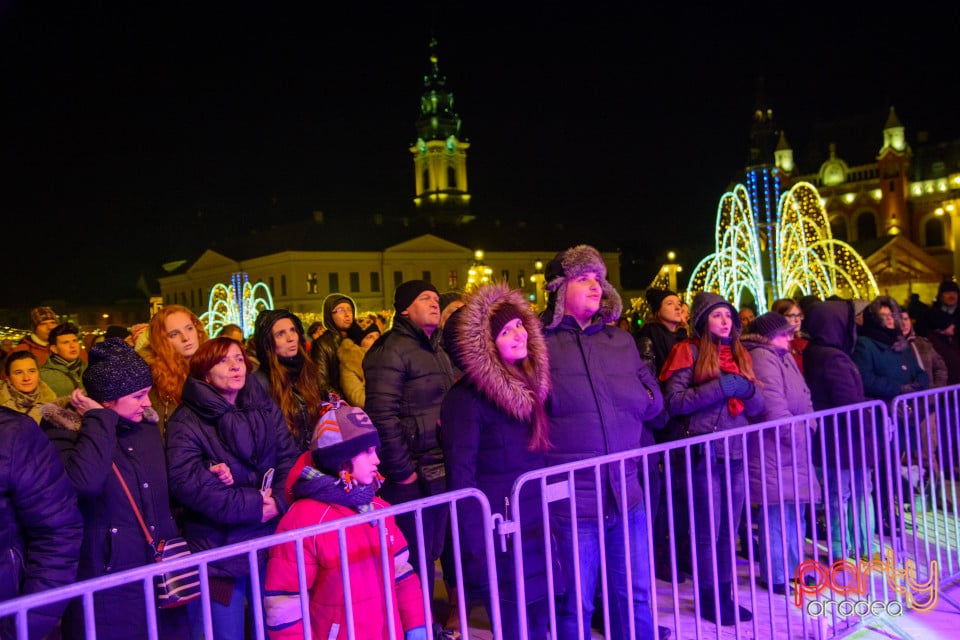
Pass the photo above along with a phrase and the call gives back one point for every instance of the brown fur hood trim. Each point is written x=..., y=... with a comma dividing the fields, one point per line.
x=62, y=414
x=499, y=383
x=571, y=263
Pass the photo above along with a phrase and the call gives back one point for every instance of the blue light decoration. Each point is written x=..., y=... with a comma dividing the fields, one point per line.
x=239, y=304
x=797, y=244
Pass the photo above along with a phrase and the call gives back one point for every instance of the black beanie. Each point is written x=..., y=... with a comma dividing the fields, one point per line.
x=655, y=298
x=407, y=293
x=947, y=285
x=501, y=316
x=115, y=370
x=358, y=333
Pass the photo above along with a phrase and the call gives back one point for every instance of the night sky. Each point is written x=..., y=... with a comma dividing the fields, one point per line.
x=130, y=129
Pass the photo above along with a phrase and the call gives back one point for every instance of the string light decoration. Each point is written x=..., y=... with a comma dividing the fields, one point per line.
x=239, y=303
x=805, y=258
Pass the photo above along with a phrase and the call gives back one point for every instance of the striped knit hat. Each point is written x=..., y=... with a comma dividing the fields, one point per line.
x=342, y=432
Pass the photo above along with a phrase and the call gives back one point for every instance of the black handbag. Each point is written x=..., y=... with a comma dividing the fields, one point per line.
x=174, y=588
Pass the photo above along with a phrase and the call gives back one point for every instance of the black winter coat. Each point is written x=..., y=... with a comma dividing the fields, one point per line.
x=112, y=538
x=835, y=381
x=407, y=376
x=602, y=394
x=250, y=437
x=40, y=525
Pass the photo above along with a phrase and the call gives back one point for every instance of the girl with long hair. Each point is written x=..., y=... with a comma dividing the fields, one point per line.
x=710, y=384
x=287, y=372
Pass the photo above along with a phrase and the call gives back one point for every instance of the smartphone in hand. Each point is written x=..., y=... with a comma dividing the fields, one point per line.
x=267, y=480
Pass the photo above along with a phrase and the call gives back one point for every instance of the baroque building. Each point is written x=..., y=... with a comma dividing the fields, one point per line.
x=894, y=202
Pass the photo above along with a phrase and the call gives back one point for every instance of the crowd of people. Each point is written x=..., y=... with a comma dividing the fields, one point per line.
x=221, y=439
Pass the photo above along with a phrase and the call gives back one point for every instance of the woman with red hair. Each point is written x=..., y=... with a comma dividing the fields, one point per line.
x=175, y=334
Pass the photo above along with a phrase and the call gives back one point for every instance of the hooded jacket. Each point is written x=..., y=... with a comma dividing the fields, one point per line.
x=250, y=437
x=786, y=449
x=40, y=525
x=407, y=376
x=835, y=381
x=884, y=357
x=485, y=433
x=325, y=350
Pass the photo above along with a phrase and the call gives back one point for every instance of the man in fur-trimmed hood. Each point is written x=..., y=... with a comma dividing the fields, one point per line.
x=572, y=263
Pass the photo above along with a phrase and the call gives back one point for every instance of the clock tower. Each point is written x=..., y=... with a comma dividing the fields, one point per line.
x=439, y=154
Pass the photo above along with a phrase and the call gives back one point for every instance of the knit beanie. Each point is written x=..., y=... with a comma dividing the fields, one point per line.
x=655, y=298
x=771, y=324
x=341, y=433
x=115, y=370
x=705, y=302
x=358, y=333
x=571, y=263
x=408, y=292
x=263, y=331
x=42, y=314
x=503, y=314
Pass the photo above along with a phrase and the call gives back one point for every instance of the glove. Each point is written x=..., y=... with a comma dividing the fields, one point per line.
x=735, y=386
x=417, y=633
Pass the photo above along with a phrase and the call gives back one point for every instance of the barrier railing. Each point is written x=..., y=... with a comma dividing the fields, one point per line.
x=864, y=497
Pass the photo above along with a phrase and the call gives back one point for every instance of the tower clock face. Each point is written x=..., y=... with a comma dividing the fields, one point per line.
x=451, y=144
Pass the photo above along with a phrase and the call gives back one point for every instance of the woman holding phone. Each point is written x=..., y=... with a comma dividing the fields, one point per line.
x=227, y=424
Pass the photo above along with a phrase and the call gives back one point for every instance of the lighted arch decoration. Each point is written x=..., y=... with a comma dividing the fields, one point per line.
x=806, y=259
x=239, y=303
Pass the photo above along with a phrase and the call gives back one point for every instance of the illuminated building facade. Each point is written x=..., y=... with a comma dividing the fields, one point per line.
x=895, y=205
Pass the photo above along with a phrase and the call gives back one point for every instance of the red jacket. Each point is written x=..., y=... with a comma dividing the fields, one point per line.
x=324, y=581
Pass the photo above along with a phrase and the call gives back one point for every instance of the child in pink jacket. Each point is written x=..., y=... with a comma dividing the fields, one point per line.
x=337, y=478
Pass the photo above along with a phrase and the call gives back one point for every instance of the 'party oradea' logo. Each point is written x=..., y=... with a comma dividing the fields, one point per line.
x=841, y=588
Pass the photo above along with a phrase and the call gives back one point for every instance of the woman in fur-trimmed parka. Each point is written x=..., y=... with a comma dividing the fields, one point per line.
x=493, y=429
x=781, y=481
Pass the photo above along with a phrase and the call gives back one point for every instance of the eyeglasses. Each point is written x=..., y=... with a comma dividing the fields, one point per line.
x=337, y=312
x=793, y=316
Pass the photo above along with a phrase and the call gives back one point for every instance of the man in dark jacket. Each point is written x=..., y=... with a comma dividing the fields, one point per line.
x=407, y=375
x=339, y=314
x=602, y=394
x=40, y=525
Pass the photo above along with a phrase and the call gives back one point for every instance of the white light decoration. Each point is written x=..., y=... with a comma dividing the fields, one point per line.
x=239, y=303
x=807, y=260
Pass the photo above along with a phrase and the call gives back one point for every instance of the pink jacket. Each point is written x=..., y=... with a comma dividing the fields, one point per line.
x=322, y=564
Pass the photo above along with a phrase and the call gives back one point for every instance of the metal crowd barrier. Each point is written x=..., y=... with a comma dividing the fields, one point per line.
x=882, y=528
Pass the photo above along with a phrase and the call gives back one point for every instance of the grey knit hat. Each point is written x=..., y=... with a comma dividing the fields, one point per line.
x=571, y=263
x=771, y=324
x=115, y=370
x=705, y=302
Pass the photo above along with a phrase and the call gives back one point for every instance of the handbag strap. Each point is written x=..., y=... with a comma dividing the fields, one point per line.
x=136, y=511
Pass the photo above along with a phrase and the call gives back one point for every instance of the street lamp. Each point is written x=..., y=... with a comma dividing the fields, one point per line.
x=479, y=273
x=537, y=278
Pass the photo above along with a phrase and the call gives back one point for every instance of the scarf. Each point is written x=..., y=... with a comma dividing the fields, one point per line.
x=72, y=369
x=292, y=365
x=682, y=358
x=319, y=486
x=24, y=401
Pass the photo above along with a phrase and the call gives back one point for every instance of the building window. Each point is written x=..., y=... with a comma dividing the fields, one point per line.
x=397, y=278
x=272, y=288
x=521, y=279
x=333, y=282
x=192, y=303
x=452, y=279
x=504, y=275
x=426, y=180
x=283, y=285
x=375, y=281
x=425, y=276
x=451, y=178
x=313, y=283
x=933, y=233
x=354, y=281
